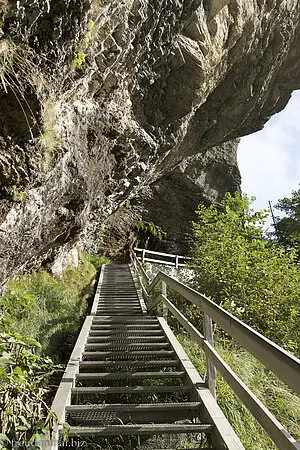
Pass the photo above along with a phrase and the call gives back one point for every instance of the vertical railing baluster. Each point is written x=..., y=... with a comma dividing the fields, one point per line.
x=210, y=367
x=164, y=292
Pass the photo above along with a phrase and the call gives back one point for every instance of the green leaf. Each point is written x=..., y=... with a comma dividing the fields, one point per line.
x=25, y=422
x=19, y=371
x=5, y=360
x=21, y=428
x=4, y=438
x=29, y=297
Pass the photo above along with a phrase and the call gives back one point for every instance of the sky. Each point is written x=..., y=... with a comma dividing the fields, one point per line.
x=269, y=160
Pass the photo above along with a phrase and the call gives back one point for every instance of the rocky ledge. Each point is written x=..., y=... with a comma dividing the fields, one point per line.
x=117, y=111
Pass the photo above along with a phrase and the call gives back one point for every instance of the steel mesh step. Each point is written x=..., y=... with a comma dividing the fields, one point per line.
x=128, y=355
x=131, y=413
x=88, y=390
x=128, y=376
x=141, y=429
x=128, y=365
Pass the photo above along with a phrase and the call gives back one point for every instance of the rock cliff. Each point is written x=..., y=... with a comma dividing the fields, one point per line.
x=112, y=111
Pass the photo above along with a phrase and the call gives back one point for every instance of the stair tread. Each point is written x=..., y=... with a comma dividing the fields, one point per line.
x=164, y=428
x=127, y=345
x=134, y=406
x=107, y=354
x=129, y=389
x=124, y=338
x=130, y=333
x=164, y=362
x=133, y=327
x=128, y=375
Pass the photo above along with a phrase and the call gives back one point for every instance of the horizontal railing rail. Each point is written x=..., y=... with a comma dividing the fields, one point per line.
x=166, y=259
x=275, y=358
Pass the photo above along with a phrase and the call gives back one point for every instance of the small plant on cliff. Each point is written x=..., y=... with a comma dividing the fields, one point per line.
x=17, y=195
x=17, y=73
x=151, y=229
x=48, y=138
x=80, y=55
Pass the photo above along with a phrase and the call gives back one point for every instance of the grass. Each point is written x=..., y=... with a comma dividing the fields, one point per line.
x=51, y=309
x=269, y=389
x=48, y=138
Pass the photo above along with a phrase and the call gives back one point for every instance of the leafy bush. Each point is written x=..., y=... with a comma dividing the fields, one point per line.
x=23, y=379
x=254, y=279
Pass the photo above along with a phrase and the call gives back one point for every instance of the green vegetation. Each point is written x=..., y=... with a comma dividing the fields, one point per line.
x=40, y=317
x=271, y=391
x=254, y=279
x=150, y=229
x=258, y=281
x=48, y=138
x=80, y=55
x=17, y=195
x=48, y=308
x=23, y=384
x=17, y=73
x=287, y=228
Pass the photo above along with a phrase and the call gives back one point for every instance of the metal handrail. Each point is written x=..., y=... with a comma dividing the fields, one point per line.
x=177, y=258
x=275, y=358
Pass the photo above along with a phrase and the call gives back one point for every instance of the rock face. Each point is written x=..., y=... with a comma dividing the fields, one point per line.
x=103, y=102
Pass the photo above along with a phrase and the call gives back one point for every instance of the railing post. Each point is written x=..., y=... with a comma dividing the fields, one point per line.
x=164, y=292
x=176, y=261
x=143, y=256
x=210, y=367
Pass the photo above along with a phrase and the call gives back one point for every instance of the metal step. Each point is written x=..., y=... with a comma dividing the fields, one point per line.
x=128, y=346
x=127, y=376
x=113, y=328
x=112, y=310
x=117, y=313
x=116, y=302
x=141, y=429
x=109, y=319
x=119, y=407
x=115, y=414
x=121, y=322
x=128, y=333
x=129, y=354
x=115, y=309
x=115, y=299
x=96, y=365
x=125, y=338
x=89, y=390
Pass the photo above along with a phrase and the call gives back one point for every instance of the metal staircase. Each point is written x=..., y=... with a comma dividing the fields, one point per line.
x=129, y=384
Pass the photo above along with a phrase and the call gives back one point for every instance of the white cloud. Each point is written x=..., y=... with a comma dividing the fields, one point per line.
x=269, y=160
